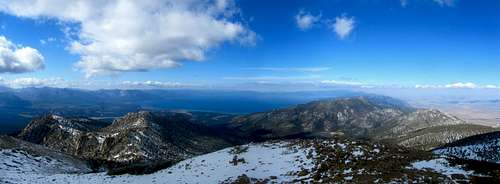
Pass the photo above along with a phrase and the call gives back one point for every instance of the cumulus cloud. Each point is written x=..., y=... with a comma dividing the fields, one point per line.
x=306, y=20
x=117, y=36
x=18, y=59
x=343, y=26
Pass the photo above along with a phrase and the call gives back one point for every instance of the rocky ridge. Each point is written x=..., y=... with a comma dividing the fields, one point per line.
x=137, y=138
x=359, y=117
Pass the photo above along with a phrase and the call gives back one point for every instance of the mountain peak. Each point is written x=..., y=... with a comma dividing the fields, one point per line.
x=141, y=119
x=138, y=137
x=362, y=116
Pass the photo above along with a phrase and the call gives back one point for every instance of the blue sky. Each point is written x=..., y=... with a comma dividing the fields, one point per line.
x=429, y=43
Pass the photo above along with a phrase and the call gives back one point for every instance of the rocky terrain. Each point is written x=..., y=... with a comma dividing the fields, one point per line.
x=433, y=137
x=482, y=147
x=355, y=161
x=359, y=117
x=139, y=139
x=333, y=160
x=366, y=139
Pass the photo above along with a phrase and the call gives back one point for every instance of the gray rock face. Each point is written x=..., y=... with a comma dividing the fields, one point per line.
x=361, y=117
x=141, y=137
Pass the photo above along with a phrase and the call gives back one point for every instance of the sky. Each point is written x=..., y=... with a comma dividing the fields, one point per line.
x=247, y=44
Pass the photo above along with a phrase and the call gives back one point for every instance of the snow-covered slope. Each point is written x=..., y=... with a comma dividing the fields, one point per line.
x=440, y=165
x=483, y=147
x=19, y=159
x=291, y=161
x=17, y=164
x=274, y=161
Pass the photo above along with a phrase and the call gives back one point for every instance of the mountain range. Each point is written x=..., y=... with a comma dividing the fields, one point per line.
x=368, y=117
x=18, y=106
x=137, y=139
x=144, y=142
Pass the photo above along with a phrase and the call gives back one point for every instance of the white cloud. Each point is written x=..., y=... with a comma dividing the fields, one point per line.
x=492, y=87
x=445, y=2
x=306, y=20
x=462, y=85
x=152, y=84
x=343, y=26
x=117, y=36
x=18, y=59
x=426, y=86
x=337, y=82
x=59, y=82
x=292, y=69
x=273, y=78
x=459, y=85
x=48, y=40
x=24, y=82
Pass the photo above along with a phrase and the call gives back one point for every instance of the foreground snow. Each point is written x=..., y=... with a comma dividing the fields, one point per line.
x=440, y=165
x=18, y=166
x=274, y=161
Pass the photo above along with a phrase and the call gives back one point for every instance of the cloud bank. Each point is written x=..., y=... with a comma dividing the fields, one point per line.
x=152, y=84
x=25, y=82
x=460, y=85
x=118, y=36
x=18, y=59
x=59, y=82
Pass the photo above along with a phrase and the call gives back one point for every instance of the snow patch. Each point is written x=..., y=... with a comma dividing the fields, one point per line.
x=17, y=166
x=261, y=161
x=440, y=165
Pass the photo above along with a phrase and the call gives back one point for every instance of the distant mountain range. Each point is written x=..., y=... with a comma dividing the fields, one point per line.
x=18, y=106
